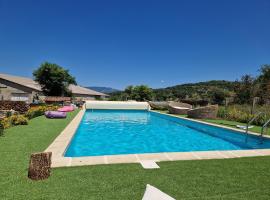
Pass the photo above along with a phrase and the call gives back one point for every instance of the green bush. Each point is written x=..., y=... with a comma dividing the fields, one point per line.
x=13, y=120
x=32, y=113
x=6, y=123
x=222, y=112
x=18, y=120
x=9, y=113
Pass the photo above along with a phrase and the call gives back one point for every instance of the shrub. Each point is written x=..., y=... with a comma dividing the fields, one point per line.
x=242, y=113
x=6, y=123
x=9, y=113
x=34, y=112
x=18, y=120
x=222, y=112
x=13, y=120
x=39, y=111
x=19, y=106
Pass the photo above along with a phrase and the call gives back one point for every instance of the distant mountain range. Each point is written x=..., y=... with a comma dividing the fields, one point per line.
x=106, y=90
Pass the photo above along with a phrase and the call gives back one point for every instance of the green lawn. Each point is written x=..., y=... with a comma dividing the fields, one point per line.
x=245, y=178
x=256, y=129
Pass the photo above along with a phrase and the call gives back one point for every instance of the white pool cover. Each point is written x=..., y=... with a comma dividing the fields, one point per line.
x=117, y=105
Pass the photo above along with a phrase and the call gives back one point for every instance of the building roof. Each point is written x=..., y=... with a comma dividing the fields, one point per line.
x=27, y=82
x=76, y=89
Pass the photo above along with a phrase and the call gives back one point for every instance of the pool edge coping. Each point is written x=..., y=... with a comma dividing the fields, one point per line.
x=61, y=142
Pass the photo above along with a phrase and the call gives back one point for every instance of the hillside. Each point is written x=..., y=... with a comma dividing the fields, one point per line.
x=214, y=91
x=200, y=90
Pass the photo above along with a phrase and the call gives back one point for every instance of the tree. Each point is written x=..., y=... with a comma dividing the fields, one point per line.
x=264, y=82
x=142, y=93
x=245, y=89
x=218, y=95
x=54, y=79
x=162, y=95
x=138, y=93
x=129, y=90
x=116, y=96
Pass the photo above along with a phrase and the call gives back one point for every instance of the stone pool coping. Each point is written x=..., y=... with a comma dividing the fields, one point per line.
x=60, y=144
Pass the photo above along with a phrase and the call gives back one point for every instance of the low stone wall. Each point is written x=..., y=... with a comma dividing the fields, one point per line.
x=179, y=108
x=19, y=106
x=179, y=111
x=158, y=105
x=207, y=112
x=180, y=104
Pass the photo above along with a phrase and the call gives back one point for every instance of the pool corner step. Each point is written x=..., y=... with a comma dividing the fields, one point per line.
x=149, y=164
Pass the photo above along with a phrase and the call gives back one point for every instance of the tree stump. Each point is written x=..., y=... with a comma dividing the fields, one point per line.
x=40, y=166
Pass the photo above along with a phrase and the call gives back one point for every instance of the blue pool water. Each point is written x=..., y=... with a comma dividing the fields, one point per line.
x=110, y=132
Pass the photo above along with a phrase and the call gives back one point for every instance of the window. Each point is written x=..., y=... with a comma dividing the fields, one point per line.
x=19, y=97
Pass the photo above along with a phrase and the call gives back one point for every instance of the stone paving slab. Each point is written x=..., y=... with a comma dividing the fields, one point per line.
x=149, y=164
x=209, y=155
x=181, y=156
x=132, y=158
x=153, y=156
x=94, y=160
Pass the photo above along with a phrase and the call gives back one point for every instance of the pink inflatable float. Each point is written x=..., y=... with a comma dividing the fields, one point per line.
x=66, y=109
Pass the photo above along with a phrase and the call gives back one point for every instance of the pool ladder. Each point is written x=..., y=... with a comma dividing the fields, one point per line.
x=249, y=123
x=264, y=127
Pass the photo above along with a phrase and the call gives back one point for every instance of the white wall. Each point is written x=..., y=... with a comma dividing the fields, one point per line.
x=117, y=105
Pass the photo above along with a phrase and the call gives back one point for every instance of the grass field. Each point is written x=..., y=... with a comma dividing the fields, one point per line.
x=244, y=178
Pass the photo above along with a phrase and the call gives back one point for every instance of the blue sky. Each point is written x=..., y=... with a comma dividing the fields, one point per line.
x=118, y=43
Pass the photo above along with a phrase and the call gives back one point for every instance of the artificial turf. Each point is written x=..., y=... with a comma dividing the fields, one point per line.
x=242, y=178
x=256, y=129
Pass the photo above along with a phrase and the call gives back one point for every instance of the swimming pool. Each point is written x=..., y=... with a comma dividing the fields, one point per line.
x=114, y=132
